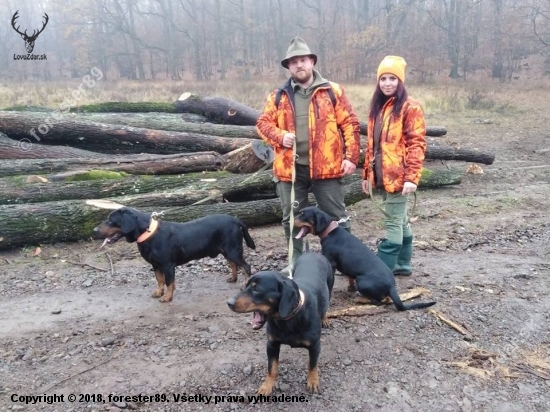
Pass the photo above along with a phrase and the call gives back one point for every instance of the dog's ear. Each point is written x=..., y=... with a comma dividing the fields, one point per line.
x=129, y=221
x=289, y=297
x=322, y=220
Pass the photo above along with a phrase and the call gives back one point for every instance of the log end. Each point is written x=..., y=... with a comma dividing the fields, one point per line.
x=184, y=96
x=104, y=204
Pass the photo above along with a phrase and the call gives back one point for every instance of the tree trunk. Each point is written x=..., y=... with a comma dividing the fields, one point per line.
x=243, y=160
x=29, y=149
x=14, y=190
x=218, y=109
x=433, y=131
x=125, y=107
x=132, y=164
x=110, y=138
x=171, y=122
x=31, y=224
x=464, y=155
x=49, y=222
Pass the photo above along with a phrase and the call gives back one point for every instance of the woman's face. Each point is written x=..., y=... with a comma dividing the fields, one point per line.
x=388, y=84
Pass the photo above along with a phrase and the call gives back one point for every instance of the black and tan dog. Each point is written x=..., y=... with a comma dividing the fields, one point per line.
x=350, y=256
x=166, y=245
x=294, y=309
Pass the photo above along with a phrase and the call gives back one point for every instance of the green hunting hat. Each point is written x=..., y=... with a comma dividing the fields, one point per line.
x=297, y=47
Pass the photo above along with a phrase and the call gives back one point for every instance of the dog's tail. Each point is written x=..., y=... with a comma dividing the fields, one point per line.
x=247, y=238
x=401, y=306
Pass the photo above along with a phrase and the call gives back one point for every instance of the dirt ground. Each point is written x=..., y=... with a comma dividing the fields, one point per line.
x=481, y=249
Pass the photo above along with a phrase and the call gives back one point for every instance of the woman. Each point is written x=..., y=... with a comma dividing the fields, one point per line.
x=393, y=162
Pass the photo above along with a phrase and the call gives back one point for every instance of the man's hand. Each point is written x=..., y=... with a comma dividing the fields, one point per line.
x=288, y=140
x=347, y=167
x=408, y=187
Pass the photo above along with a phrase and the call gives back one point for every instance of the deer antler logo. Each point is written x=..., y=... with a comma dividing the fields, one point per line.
x=29, y=40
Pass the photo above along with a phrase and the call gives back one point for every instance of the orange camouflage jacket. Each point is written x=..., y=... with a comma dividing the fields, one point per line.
x=403, y=146
x=327, y=149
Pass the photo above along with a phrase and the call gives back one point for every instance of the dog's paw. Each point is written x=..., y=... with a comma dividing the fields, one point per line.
x=231, y=279
x=325, y=323
x=267, y=388
x=361, y=300
x=166, y=298
x=158, y=292
x=313, y=381
x=352, y=287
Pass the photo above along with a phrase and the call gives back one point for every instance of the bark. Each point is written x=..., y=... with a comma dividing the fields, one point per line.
x=47, y=222
x=448, y=153
x=111, y=139
x=218, y=109
x=131, y=164
x=432, y=131
x=29, y=149
x=14, y=190
x=242, y=160
x=171, y=122
x=464, y=155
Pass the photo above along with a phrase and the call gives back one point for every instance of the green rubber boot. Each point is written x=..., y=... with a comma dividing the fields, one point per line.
x=403, y=265
x=387, y=252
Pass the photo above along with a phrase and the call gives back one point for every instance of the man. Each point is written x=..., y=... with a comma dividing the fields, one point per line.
x=314, y=117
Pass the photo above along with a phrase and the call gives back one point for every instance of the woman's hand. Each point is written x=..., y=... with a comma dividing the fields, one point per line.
x=408, y=187
x=365, y=186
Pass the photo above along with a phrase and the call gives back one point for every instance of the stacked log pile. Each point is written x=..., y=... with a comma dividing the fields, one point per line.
x=189, y=159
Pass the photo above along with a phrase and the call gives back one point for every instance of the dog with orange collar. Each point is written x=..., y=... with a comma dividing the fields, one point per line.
x=166, y=245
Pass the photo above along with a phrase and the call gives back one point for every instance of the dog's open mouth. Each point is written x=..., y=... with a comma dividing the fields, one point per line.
x=110, y=240
x=258, y=320
x=303, y=232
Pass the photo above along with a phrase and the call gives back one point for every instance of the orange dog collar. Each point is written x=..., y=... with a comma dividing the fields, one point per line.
x=153, y=225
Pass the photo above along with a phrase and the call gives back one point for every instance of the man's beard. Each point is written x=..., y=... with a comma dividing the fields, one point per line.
x=303, y=76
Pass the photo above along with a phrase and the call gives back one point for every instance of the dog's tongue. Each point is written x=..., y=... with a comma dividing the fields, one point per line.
x=303, y=232
x=107, y=240
x=257, y=320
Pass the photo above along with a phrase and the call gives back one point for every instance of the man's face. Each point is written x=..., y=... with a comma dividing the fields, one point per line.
x=301, y=68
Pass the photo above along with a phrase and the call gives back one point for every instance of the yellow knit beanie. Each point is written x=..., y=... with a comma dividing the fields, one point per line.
x=393, y=65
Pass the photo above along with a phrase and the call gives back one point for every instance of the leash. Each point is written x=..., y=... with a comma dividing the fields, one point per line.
x=292, y=204
x=412, y=218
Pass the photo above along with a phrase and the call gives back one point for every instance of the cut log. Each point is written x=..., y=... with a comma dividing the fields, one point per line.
x=14, y=190
x=218, y=109
x=464, y=155
x=243, y=160
x=112, y=139
x=171, y=122
x=29, y=149
x=433, y=131
x=47, y=222
x=131, y=164
x=447, y=153
x=125, y=107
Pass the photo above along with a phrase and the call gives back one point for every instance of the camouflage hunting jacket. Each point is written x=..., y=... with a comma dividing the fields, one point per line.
x=402, y=144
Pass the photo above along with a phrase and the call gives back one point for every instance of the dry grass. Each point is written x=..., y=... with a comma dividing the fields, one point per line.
x=490, y=99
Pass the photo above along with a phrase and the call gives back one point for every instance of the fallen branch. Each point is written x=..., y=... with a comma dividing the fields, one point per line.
x=87, y=370
x=449, y=322
x=366, y=310
x=86, y=264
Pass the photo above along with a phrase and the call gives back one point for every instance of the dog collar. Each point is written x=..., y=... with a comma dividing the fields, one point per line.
x=332, y=225
x=298, y=306
x=153, y=225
